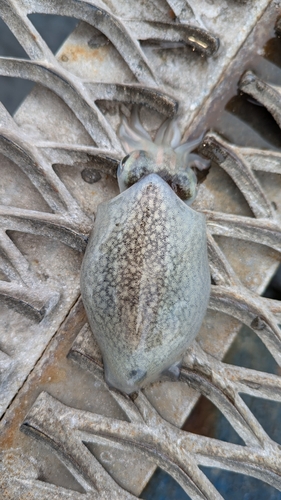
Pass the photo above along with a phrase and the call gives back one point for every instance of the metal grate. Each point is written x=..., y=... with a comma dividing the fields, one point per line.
x=68, y=126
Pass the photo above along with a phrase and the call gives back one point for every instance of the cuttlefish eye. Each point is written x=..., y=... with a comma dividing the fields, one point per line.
x=121, y=165
x=184, y=184
x=120, y=172
x=132, y=168
x=123, y=161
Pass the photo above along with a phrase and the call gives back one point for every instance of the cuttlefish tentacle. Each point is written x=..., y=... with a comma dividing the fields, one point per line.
x=135, y=138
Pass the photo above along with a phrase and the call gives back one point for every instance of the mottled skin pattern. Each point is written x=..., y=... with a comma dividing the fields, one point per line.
x=145, y=281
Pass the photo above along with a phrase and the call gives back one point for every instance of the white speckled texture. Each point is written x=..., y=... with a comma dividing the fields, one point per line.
x=145, y=281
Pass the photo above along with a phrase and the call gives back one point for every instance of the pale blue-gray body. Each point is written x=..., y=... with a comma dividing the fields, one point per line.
x=145, y=281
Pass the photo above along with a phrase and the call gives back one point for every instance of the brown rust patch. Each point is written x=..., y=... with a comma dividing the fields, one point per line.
x=48, y=372
x=172, y=15
x=74, y=53
x=53, y=374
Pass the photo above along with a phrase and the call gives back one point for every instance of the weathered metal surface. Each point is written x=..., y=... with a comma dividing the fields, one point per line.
x=68, y=124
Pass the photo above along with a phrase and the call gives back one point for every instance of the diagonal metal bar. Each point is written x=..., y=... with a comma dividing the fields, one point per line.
x=6, y=121
x=217, y=149
x=43, y=224
x=263, y=231
x=246, y=380
x=194, y=483
x=48, y=422
x=243, y=299
x=163, y=441
x=207, y=378
x=263, y=92
x=198, y=38
x=221, y=271
x=34, y=490
x=243, y=380
x=75, y=154
x=214, y=379
x=230, y=404
x=71, y=90
x=249, y=308
x=63, y=436
x=35, y=304
x=15, y=147
x=181, y=8
x=241, y=459
x=260, y=159
x=85, y=351
x=25, y=292
x=137, y=94
x=206, y=451
x=112, y=27
x=13, y=15
x=16, y=267
x=81, y=96
x=6, y=366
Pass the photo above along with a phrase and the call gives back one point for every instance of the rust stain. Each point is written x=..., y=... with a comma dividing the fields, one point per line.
x=10, y=434
x=53, y=374
x=172, y=15
x=50, y=372
x=73, y=53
